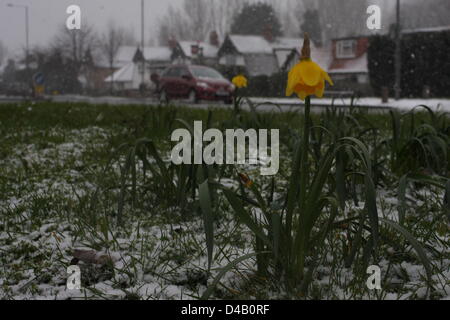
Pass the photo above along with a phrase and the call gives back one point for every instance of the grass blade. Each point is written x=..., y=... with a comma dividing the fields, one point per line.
x=226, y=269
x=417, y=247
x=208, y=219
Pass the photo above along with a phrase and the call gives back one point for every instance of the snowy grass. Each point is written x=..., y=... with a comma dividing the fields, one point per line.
x=61, y=169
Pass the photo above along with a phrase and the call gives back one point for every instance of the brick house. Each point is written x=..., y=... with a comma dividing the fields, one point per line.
x=349, y=59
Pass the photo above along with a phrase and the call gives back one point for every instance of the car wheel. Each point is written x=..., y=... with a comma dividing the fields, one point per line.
x=192, y=97
x=163, y=97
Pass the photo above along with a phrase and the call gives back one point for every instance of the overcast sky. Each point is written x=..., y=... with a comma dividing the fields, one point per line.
x=47, y=15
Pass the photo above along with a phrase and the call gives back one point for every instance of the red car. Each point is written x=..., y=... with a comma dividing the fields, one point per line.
x=194, y=83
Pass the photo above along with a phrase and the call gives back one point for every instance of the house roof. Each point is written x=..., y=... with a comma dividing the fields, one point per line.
x=126, y=54
x=247, y=44
x=251, y=44
x=323, y=56
x=124, y=74
x=209, y=51
x=288, y=43
x=157, y=53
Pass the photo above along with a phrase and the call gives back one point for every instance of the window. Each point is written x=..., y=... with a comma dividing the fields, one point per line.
x=204, y=72
x=183, y=72
x=172, y=72
x=346, y=49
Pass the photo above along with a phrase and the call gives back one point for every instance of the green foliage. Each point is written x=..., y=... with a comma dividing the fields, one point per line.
x=290, y=230
x=419, y=146
x=256, y=19
x=321, y=211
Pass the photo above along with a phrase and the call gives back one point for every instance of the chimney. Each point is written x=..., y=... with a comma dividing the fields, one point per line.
x=172, y=43
x=268, y=33
x=214, y=39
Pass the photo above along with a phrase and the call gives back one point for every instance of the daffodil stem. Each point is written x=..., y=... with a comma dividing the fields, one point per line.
x=305, y=149
x=304, y=177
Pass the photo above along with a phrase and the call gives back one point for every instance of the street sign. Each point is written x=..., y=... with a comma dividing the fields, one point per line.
x=39, y=84
x=39, y=79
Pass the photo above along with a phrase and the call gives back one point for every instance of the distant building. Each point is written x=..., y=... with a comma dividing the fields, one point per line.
x=349, y=59
x=321, y=55
x=259, y=55
x=134, y=65
x=196, y=52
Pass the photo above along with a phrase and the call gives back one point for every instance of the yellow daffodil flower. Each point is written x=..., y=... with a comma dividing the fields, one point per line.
x=307, y=77
x=240, y=81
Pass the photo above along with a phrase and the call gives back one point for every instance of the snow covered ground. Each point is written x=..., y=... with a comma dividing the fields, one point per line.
x=49, y=177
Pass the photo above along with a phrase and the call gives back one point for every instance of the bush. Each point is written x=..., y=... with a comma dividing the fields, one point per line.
x=267, y=86
x=258, y=86
x=425, y=63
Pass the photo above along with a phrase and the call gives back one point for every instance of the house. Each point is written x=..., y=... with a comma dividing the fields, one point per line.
x=321, y=55
x=93, y=72
x=349, y=60
x=343, y=58
x=196, y=52
x=259, y=55
x=136, y=66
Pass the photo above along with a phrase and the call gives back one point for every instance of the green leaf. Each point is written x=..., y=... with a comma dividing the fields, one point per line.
x=402, y=199
x=245, y=217
x=208, y=219
x=226, y=269
x=416, y=245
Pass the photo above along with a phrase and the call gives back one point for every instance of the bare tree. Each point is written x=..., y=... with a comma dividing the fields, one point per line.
x=110, y=44
x=174, y=24
x=75, y=43
x=222, y=13
x=196, y=18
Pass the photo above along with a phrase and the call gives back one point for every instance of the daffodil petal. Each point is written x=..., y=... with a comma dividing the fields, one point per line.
x=320, y=89
x=310, y=73
x=327, y=77
x=302, y=95
x=293, y=79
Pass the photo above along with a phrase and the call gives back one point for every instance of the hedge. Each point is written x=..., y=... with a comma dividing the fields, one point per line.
x=425, y=63
x=259, y=86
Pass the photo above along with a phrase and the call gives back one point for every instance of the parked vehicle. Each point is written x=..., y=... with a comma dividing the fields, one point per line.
x=193, y=83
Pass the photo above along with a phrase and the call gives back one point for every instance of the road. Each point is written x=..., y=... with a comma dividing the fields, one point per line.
x=372, y=105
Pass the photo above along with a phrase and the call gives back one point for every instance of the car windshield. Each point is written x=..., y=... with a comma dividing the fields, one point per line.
x=203, y=72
